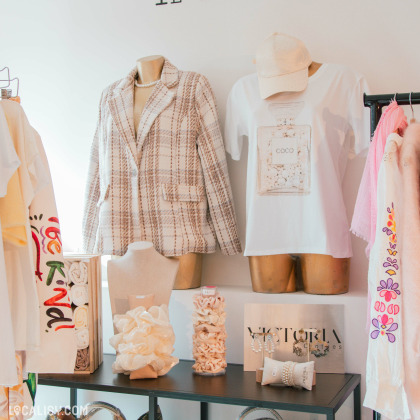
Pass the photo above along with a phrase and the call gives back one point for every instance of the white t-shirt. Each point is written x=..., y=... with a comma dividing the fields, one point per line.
x=299, y=145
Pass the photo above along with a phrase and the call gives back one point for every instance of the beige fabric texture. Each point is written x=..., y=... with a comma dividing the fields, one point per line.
x=170, y=184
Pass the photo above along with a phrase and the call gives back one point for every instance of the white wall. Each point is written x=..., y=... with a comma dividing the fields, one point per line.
x=65, y=52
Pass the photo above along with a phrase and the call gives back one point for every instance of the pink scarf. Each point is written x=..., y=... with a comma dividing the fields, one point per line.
x=364, y=216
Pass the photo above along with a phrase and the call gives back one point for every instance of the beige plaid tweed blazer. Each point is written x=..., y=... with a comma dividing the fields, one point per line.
x=170, y=185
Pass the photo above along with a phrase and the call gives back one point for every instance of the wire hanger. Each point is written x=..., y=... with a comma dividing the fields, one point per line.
x=8, y=74
x=17, y=85
x=413, y=119
x=8, y=93
x=8, y=77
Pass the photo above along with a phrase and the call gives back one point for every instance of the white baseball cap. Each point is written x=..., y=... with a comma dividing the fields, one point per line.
x=282, y=65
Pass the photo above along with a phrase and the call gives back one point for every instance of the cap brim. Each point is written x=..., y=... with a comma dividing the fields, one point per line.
x=293, y=82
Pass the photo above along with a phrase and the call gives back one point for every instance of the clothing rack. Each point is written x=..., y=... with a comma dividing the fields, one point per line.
x=376, y=103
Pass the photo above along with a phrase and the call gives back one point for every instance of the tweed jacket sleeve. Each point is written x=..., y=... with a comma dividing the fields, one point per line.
x=216, y=178
x=92, y=193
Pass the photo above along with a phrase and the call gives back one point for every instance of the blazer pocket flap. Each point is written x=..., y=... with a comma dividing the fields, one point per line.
x=103, y=196
x=174, y=192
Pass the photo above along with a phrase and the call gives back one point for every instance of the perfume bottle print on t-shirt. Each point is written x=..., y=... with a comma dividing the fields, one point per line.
x=284, y=161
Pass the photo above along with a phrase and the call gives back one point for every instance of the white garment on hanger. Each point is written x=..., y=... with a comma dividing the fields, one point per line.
x=58, y=348
x=19, y=260
x=9, y=162
x=385, y=391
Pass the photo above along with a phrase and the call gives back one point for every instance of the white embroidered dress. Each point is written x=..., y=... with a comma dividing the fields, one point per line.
x=385, y=391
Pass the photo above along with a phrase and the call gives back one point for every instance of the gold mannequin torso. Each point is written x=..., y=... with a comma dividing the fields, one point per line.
x=321, y=274
x=150, y=69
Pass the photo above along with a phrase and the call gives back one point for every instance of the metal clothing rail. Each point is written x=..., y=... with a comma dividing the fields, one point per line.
x=376, y=102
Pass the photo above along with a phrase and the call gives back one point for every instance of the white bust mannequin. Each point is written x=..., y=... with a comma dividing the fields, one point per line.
x=140, y=272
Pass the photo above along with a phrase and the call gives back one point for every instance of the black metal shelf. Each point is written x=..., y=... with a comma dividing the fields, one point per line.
x=235, y=388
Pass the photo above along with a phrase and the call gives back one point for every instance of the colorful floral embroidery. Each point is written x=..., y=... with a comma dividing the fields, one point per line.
x=391, y=228
x=382, y=327
x=392, y=251
x=391, y=263
x=393, y=309
x=388, y=290
x=379, y=306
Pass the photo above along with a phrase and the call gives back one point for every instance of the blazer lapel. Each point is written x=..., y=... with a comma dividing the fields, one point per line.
x=161, y=98
x=121, y=107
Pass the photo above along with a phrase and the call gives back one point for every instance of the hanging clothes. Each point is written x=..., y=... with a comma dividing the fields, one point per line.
x=19, y=261
x=385, y=390
x=11, y=398
x=410, y=166
x=12, y=206
x=13, y=214
x=363, y=223
x=8, y=376
x=31, y=269
x=35, y=273
x=9, y=162
x=17, y=402
x=58, y=349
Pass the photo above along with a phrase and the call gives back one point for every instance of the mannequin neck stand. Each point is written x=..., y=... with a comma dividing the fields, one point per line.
x=149, y=70
x=141, y=271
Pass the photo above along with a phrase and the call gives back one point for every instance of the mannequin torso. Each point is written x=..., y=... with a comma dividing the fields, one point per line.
x=321, y=274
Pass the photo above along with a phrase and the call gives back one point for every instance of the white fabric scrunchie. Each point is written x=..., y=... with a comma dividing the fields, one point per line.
x=145, y=337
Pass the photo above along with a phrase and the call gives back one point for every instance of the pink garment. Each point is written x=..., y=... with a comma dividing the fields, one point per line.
x=410, y=264
x=364, y=217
